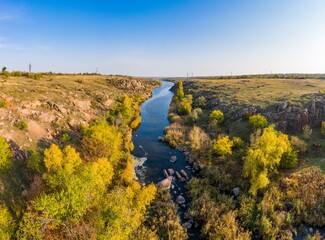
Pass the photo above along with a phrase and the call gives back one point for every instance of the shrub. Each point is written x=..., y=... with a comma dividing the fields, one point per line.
x=65, y=137
x=217, y=115
x=196, y=113
x=307, y=132
x=5, y=155
x=200, y=102
x=300, y=145
x=322, y=130
x=237, y=142
x=222, y=146
x=22, y=125
x=258, y=121
x=289, y=159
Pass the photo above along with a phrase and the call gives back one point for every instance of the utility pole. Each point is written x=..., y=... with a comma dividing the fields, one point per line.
x=30, y=67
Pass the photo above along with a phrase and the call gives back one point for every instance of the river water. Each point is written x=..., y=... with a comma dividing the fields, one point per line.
x=154, y=114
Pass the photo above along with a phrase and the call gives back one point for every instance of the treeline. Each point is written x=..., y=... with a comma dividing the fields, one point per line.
x=244, y=189
x=84, y=188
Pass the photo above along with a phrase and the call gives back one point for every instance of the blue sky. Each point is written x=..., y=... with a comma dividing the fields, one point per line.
x=164, y=37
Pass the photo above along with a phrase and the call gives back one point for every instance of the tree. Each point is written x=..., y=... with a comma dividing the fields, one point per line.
x=107, y=139
x=185, y=106
x=258, y=121
x=180, y=91
x=5, y=155
x=264, y=156
x=7, y=223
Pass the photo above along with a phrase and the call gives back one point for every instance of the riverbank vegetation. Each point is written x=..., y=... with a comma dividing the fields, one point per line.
x=252, y=178
x=79, y=183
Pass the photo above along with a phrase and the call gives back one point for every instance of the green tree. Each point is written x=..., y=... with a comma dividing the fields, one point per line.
x=5, y=155
x=258, y=121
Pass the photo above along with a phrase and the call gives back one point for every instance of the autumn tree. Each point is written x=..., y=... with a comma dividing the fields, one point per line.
x=7, y=224
x=264, y=156
x=102, y=140
x=180, y=91
x=223, y=146
x=185, y=105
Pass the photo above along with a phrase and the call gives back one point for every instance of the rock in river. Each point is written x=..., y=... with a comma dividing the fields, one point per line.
x=165, y=184
x=180, y=199
x=173, y=159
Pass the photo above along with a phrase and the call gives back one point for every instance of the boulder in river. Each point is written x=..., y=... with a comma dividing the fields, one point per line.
x=180, y=199
x=179, y=177
x=187, y=225
x=184, y=174
x=173, y=159
x=165, y=173
x=165, y=184
x=170, y=171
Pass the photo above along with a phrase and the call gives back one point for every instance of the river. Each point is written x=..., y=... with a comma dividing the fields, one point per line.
x=154, y=114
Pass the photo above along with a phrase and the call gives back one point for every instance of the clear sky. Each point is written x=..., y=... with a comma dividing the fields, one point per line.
x=164, y=37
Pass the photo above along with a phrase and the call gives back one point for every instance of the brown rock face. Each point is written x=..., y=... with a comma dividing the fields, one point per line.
x=286, y=116
x=292, y=117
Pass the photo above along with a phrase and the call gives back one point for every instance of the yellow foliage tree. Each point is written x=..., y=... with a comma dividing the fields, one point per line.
x=222, y=146
x=6, y=223
x=5, y=154
x=264, y=157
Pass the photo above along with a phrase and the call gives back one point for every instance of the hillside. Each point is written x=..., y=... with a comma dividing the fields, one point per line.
x=259, y=147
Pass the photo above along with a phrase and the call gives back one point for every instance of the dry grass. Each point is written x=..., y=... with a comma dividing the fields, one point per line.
x=261, y=92
x=60, y=102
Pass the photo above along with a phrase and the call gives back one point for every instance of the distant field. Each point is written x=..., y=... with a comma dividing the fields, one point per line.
x=261, y=92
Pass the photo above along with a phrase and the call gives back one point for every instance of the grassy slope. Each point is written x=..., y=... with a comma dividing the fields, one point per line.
x=264, y=92
x=80, y=98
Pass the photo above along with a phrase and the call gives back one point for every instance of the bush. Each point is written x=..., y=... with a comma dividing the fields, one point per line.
x=300, y=145
x=222, y=146
x=322, y=130
x=289, y=159
x=65, y=137
x=237, y=142
x=217, y=115
x=22, y=125
x=307, y=132
x=200, y=102
x=258, y=121
x=5, y=155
